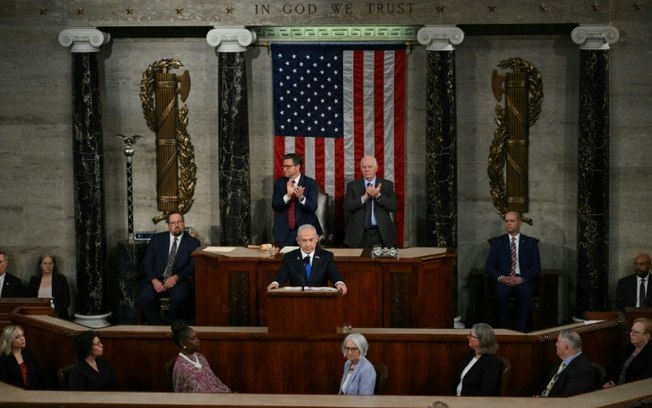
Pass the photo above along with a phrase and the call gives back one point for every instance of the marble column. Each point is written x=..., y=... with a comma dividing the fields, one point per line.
x=233, y=133
x=441, y=136
x=88, y=168
x=593, y=167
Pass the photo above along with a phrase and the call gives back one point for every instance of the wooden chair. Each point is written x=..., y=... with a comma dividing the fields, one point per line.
x=504, y=376
x=382, y=377
x=169, y=368
x=62, y=377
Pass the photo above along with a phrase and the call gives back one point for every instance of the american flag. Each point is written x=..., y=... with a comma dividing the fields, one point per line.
x=334, y=104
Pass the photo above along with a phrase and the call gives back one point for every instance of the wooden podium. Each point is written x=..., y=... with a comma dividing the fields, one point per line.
x=416, y=290
x=291, y=310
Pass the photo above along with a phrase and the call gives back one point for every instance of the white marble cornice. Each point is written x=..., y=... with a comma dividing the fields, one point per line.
x=83, y=39
x=230, y=39
x=594, y=37
x=440, y=38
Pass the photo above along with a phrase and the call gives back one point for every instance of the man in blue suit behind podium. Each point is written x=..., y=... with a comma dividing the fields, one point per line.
x=308, y=265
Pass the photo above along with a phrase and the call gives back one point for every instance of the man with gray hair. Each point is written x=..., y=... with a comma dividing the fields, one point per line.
x=574, y=374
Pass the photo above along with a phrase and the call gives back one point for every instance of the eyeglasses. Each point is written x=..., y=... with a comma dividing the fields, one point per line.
x=353, y=350
x=472, y=336
x=635, y=332
x=176, y=222
x=287, y=166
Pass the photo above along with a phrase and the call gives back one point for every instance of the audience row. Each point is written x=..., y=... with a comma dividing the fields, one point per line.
x=480, y=373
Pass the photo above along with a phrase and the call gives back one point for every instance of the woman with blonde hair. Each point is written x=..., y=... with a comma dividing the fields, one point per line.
x=17, y=365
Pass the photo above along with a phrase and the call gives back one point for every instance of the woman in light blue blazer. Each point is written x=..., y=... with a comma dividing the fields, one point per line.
x=359, y=376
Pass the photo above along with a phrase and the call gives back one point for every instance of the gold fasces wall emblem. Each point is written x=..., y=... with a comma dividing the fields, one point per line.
x=176, y=172
x=509, y=149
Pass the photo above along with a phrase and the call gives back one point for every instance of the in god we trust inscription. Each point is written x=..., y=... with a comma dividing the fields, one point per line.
x=335, y=8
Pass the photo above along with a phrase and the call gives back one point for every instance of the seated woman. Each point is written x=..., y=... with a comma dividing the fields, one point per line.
x=481, y=371
x=49, y=283
x=92, y=372
x=636, y=362
x=17, y=365
x=359, y=376
x=191, y=372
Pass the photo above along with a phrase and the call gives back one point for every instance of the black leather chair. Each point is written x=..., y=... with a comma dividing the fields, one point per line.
x=62, y=377
x=382, y=379
x=600, y=375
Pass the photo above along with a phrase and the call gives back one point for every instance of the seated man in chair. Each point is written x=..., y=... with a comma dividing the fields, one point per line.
x=514, y=265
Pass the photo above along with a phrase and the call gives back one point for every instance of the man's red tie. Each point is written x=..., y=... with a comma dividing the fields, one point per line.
x=512, y=271
x=291, y=220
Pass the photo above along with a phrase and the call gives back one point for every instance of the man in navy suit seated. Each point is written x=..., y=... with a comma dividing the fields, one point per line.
x=294, y=202
x=169, y=267
x=514, y=265
x=308, y=265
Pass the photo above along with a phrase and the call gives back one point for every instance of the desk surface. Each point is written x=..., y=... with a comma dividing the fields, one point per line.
x=639, y=391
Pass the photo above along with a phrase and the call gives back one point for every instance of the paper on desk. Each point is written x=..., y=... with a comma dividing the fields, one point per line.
x=287, y=249
x=220, y=249
x=308, y=288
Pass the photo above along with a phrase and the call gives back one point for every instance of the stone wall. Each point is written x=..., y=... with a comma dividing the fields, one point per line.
x=36, y=199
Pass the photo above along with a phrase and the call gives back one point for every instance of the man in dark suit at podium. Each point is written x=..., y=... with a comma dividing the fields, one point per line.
x=514, y=265
x=635, y=290
x=308, y=265
x=10, y=286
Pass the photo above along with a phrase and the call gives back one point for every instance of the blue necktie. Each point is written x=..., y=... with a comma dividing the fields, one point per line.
x=306, y=262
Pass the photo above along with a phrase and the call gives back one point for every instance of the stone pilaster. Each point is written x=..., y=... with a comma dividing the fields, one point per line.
x=593, y=167
x=441, y=137
x=233, y=133
x=88, y=168
x=441, y=134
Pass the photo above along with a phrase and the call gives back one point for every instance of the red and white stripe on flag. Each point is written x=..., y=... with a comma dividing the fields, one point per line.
x=373, y=111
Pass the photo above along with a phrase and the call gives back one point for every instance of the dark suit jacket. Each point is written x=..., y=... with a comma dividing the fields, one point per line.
x=627, y=289
x=499, y=260
x=483, y=379
x=383, y=208
x=156, y=257
x=577, y=378
x=60, y=293
x=13, y=287
x=322, y=270
x=83, y=377
x=303, y=213
x=641, y=366
x=10, y=370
